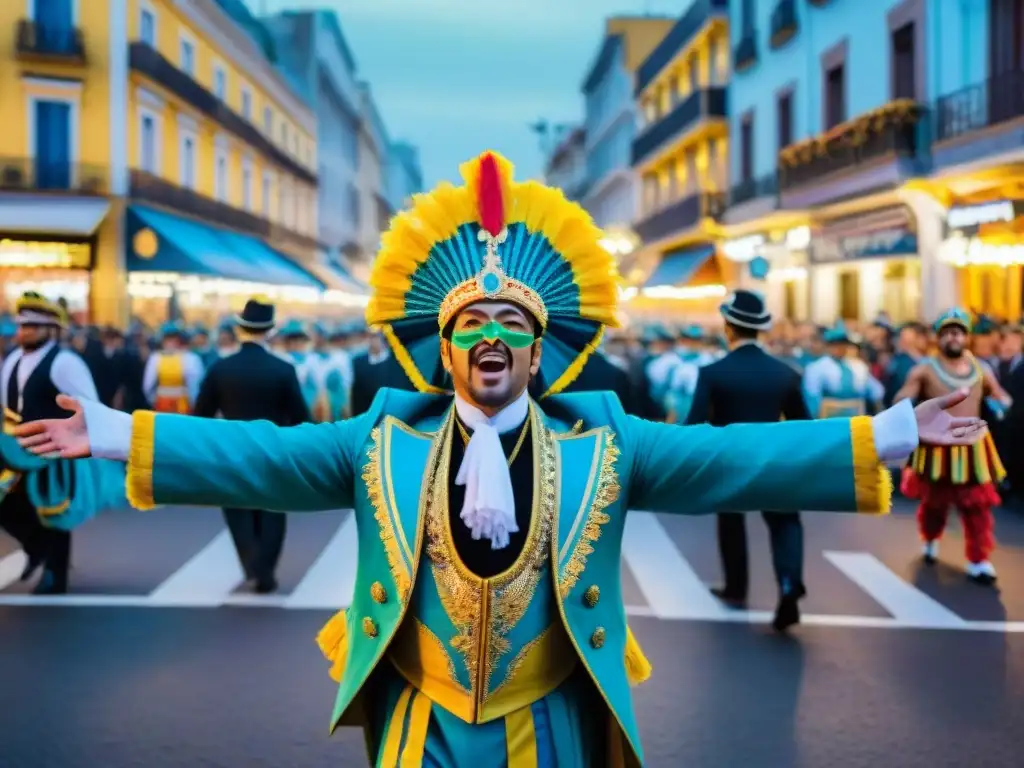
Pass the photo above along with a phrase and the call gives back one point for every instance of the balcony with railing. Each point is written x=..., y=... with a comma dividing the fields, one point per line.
x=289, y=240
x=149, y=62
x=895, y=131
x=40, y=41
x=149, y=188
x=784, y=23
x=998, y=100
x=28, y=174
x=679, y=216
x=699, y=105
x=753, y=188
x=684, y=30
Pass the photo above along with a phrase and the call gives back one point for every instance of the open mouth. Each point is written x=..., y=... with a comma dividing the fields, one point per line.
x=492, y=360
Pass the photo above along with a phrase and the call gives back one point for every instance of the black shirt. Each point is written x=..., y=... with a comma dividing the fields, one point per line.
x=477, y=555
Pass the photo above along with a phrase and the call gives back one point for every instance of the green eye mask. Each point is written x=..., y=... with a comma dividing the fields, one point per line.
x=492, y=332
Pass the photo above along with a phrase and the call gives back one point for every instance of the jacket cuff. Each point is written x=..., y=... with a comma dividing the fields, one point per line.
x=139, y=480
x=872, y=481
x=895, y=432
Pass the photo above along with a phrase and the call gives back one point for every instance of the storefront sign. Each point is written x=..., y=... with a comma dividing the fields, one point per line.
x=878, y=234
x=30, y=254
x=971, y=216
x=743, y=249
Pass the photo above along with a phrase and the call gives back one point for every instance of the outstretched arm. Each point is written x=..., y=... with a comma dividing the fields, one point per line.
x=251, y=465
x=911, y=389
x=827, y=465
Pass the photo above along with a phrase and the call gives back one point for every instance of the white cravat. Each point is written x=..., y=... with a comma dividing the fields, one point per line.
x=489, y=508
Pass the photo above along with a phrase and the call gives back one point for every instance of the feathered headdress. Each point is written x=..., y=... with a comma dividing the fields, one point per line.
x=500, y=240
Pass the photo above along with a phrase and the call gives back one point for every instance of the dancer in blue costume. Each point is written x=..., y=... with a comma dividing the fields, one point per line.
x=487, y=626
x=307, y=365
x=840, y=384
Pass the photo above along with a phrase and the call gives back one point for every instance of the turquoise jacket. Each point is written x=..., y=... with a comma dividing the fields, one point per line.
x=386, y=465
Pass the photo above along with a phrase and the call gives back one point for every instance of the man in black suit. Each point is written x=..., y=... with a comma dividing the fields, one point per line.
x=372, y=370
x=250, y=385
x=749, y=386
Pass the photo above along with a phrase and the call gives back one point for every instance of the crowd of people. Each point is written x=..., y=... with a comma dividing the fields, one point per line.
x=655, y=369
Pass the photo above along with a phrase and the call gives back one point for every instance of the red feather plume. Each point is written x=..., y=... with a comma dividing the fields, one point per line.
x=490, y=204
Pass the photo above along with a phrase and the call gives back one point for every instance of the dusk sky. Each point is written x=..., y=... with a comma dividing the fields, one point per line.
x=456, y=77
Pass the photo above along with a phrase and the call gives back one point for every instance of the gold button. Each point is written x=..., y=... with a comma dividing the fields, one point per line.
x=379, y=593
x=597, y=639
x=369, y=627
x=592, y=595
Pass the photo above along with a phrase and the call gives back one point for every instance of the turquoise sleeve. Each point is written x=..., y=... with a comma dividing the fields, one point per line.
x=825, y=465
x=251, y=465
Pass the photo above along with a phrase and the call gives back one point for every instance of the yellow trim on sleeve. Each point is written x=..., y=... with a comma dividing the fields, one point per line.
x=872, y=482
x=139, y=479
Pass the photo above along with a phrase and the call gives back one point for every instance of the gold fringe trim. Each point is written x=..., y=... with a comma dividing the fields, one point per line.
x=638, y=668
x=333, y=642
x=606, y=494
x=405, y=360
x=375, y=490
x=435, y=217
x=872, y=481
x=139, y=477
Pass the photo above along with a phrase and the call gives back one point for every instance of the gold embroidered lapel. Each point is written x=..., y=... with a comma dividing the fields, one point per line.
x=398, y=478
x=588, y=484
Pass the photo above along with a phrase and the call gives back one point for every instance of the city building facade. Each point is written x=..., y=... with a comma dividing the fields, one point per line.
x=405, y=177
x=977, y=184
x=610, y=191
x=222, y=164
x=680, y=157
x=566, y=168
x=313, y=49
x=829, y=112
x=371, y=182
x=162, y=159
x=62, y=79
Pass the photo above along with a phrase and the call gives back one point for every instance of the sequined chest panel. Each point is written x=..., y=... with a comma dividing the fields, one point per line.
x=482, y=648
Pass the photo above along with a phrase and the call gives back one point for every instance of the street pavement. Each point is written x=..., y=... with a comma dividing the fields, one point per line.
x=160, y=659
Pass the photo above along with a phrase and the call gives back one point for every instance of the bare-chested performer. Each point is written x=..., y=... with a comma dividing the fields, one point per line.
x=965, y=477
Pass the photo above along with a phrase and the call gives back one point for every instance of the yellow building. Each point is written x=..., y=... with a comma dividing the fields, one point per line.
x=681, y=156
x=162, y=160
x=57, y=150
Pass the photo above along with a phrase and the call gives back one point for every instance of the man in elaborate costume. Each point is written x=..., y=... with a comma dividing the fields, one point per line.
x=487, y=625
x=962, y=476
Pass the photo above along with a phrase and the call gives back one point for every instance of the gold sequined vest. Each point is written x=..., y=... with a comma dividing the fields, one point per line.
x=482, y=648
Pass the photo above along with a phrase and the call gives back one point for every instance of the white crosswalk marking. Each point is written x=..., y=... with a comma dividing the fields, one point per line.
x=11, y=567
x=669, y=584
x=908, y=605
x=330, y=581
x=206, y=579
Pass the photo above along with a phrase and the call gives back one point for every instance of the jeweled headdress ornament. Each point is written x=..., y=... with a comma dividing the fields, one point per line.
x=493, y=239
